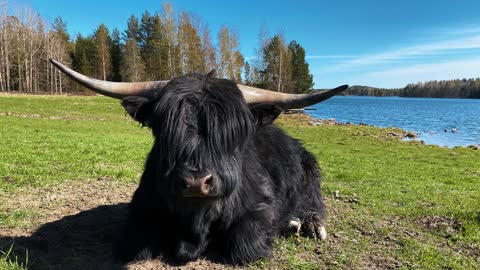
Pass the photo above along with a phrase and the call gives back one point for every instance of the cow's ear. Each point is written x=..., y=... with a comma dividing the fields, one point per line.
x=265, y=114
x=139, y=108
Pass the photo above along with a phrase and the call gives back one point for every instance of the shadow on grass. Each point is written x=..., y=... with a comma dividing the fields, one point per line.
x=81, y=241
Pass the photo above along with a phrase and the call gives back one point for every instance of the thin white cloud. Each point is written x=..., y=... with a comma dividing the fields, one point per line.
x=434, y=48
x=310, y=57
x=334, y=56
x=469, y=29
x=452, y=53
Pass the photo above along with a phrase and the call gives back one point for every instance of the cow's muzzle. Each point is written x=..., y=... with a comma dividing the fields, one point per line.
x=198, y=187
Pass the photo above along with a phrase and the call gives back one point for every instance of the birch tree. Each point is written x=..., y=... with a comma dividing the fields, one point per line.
x=57, y=47
x=230, y=60
x=170, y=45
x=4, y=48
x=277, y=71
x=191, y=55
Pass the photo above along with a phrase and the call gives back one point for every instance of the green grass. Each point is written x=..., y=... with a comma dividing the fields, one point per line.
x=68, y=141
x=10, y=262
x=401, y=204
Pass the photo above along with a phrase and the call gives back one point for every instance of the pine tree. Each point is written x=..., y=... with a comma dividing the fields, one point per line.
x=277, y=73
x=158, y=55
x=82, y=60
x=301, y=77
x=133, y=31
x=116, y=56
x=145, y=44
x=102, y=44
x=83, y=50
x=132, y=65
x=59, y=26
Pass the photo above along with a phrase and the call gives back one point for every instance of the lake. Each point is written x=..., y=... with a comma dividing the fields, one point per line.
x=430, y=117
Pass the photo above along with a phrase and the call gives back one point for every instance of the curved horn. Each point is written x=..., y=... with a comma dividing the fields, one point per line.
x=111, y=89
x=286, y=101
x=252, y=95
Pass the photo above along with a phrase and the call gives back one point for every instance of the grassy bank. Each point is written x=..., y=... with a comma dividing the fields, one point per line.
x=391, y=204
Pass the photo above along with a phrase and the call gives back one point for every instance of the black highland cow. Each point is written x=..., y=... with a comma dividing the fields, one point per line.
x=220, y=176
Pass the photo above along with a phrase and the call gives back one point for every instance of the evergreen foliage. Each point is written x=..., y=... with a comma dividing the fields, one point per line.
x=464, y=88
x=83, y=55
x=281, y=68
x=116, y=56
x=301, y=77
x=103, y=41
x=59, y=26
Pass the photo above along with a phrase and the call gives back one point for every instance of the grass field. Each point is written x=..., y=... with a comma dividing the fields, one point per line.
x=68, y=166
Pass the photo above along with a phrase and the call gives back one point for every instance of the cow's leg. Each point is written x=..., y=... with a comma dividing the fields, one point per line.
x=189, y=250
x=251, y=238
x=312, y=207
x=132, y=242
x=134, y=238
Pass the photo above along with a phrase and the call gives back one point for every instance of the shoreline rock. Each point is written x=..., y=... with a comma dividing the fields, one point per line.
x=474, y=147
x=389, y=132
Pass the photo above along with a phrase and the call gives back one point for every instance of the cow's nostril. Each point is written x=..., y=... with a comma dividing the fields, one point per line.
x=207, y=180
x=188, y=182
x=206, y=184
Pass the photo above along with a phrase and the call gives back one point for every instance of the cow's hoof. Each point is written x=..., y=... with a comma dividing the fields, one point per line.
x=315, y=226
x=322, y=233
x=295, y=225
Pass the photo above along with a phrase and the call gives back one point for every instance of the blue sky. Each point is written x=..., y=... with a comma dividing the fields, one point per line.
x=378, y=43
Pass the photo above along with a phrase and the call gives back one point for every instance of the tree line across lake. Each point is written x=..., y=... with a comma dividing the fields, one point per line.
x=156, y=46
x=465, y=88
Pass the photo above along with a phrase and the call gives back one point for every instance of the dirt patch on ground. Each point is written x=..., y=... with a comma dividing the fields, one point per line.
x=375, y=261
x=74, y=225
x=54, y=202
x=449, y=225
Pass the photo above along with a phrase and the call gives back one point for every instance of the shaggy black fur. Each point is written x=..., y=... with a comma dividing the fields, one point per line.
x=261, y=177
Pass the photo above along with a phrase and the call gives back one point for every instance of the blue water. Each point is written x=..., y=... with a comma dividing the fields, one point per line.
x=427, y=116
